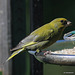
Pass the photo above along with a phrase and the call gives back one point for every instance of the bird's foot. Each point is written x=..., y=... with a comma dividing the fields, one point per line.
x=47, y=52
x=37, y=52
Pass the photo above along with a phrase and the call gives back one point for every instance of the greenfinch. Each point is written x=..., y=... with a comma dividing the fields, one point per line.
x=42, y=37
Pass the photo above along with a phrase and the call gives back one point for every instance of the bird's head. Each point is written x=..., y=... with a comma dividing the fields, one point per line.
x=61, y=23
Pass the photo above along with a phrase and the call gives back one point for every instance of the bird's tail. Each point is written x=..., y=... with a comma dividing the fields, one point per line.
x=15, y=53
x=18, y=50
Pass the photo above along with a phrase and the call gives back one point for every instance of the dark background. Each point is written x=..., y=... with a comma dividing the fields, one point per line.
x=54, y=9
x=21, y=27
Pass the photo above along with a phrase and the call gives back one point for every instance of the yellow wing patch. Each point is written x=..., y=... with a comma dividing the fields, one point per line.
x=31, y=43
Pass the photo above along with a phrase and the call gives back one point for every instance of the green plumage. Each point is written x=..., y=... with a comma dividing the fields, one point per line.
x=42, y=37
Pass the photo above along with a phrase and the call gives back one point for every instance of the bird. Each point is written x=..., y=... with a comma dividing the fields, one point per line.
x=42, y=37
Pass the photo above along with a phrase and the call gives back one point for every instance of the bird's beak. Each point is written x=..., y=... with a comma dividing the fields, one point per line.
x=69, y=23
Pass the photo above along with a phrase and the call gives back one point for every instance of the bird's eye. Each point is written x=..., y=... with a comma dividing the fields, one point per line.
x=62, y=21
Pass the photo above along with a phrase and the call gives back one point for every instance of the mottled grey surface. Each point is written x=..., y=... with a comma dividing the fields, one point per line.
x=4, y=35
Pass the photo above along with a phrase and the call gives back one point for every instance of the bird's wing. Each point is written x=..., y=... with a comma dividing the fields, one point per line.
x=34, y=39
x=25, y=42
x=44, y=35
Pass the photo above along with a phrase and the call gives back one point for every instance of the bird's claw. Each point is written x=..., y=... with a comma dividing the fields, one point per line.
x=47, y=52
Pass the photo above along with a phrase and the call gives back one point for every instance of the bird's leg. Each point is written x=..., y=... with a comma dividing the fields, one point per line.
x=37, y=51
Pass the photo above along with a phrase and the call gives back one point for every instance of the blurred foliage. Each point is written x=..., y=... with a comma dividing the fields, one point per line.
x=1, y=73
